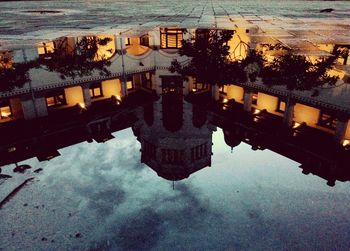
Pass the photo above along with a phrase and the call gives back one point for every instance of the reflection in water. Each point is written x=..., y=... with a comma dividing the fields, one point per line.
x=91, y=88
x=172, y=145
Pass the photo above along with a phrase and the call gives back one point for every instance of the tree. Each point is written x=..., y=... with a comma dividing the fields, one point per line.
x=297, y=72
x=82, y=61
x=15, y=76
x=209, y=61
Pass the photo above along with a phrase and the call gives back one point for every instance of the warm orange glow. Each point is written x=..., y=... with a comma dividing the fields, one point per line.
x=257, y=111
x=82, y=105
x=307, y=114
x=46, y=48
x=225, y=100
x=235, y=92
x=111, y=87
x=346, y=142
x=239, y=44
x=129, y=85
x=296, y=125
x=74, y=95
x=267, y=102
x=135, y=48
x=194, y=89
x=5, y=112
x=105, y=51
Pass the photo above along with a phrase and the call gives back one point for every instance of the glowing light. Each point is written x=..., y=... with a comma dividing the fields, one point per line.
x=257, y=111
x=82, y=105
x=225, y=100
x=346, y=142
x=11, y=149
x=296, y=125
x=5, y=114
x=194, y=89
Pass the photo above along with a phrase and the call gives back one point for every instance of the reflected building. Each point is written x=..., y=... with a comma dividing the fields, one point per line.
x=114, y=79
x=175, y=136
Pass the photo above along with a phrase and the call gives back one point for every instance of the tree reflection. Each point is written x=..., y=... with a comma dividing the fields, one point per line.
x=297, y=72
x=80, y=61
x=15, y=76
x=209, y=61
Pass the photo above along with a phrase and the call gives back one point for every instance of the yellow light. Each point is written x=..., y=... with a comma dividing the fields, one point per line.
x=257, y=111
x=5, y=114
x=194, y=89
x=82, y=105
x=346, y=142
x=296, y=125
x=225, y=100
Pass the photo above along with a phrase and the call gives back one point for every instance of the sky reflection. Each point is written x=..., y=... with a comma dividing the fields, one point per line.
x=246, y=200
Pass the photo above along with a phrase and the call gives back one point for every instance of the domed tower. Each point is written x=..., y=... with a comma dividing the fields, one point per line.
x=175, y=140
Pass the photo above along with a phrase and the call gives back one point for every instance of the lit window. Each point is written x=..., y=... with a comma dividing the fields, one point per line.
x=46, y=48
x=223, y=89
x=200, y=86
x=281, y=106
x=5, y=110
x=171, y=38
x=96, y=90
x=130, y=83
x=127, y=41
x=56, y=99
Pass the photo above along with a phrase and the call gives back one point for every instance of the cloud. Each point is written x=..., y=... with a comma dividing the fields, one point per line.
x=141, y=231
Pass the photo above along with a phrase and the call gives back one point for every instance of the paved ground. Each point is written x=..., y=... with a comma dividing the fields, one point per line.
x=22, y=22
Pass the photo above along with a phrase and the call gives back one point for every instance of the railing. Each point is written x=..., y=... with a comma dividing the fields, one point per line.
x=74, y=82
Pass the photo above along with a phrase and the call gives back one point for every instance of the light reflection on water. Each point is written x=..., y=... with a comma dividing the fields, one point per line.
x=245, y=200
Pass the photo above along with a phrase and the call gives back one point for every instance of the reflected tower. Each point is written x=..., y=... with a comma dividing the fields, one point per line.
x=175, y=136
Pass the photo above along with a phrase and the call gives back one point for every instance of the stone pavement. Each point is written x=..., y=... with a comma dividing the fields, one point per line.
x=24, y=23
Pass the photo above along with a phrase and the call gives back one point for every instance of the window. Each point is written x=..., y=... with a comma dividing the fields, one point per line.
x=149, y=150
x=199, y=86
x=281, y=106
x=144, y=40
x=223, y=90
x=96, y=90
x=127, y=41
x=146, y=79
x=172, y=156
x=171, y=38
x=5, y=110
x=254, y=98
x=199, y=152
x=171, y=84
x=327, y=120
x=46, y=48
x=56, y=98
x=130, y=83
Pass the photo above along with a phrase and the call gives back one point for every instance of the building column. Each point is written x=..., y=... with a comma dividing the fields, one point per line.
x=215, y=92
x=247, y=99
x=122, y=51
x=86, y=94
x=34, y=108
x=340, y=130
x=289, y=112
